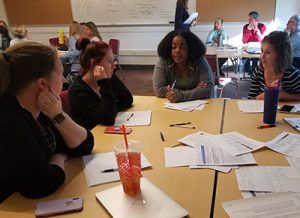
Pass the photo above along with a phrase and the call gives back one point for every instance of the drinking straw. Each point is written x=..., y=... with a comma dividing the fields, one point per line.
x=125, y=137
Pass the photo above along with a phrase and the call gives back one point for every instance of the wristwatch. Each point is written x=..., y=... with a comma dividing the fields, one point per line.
x=59, y=118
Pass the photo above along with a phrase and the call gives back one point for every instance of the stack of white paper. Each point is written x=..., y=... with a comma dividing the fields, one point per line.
x=133, y=118
x=251, y=106
x=186, y=106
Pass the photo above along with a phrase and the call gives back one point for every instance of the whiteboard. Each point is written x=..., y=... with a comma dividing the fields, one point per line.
x=122, y=12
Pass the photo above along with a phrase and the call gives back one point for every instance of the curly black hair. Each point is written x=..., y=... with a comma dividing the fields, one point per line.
x=196, y=48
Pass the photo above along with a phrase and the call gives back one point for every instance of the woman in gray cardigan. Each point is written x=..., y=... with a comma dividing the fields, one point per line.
x=182, y=72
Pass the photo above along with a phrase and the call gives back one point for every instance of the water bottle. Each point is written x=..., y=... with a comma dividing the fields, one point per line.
x=61, y=36
x=219, y=40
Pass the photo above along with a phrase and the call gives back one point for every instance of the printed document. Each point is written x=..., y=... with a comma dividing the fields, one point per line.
x=251, y=106
x=274, y=205
x=133, y=118
x=186, y=106
x=191, y=18
x=286, y=143
x=268, y=179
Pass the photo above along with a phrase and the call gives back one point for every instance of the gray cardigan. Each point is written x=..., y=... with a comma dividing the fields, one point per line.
x=164, y=75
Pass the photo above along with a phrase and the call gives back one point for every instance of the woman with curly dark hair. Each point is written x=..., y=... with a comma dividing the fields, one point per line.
x=182, y=72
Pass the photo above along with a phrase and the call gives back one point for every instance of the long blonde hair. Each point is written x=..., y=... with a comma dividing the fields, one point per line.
x=74, y=29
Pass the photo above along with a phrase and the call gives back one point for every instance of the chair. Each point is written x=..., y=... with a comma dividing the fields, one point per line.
x=115, y=47
x=220, y=83
x=54, y=42
x=64, y=96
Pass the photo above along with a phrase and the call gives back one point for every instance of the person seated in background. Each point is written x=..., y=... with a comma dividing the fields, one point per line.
x=182, y=73
x=275, y=68
x=36, y=135
x=98, y=95
x=71, y=58
x=20, y=35
x=90, y=31
x=217, y=36
x=252, y=32
x=5, y=37
x=293, y=28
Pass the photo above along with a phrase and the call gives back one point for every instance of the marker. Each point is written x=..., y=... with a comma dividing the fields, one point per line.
x=179, y=124
x=266, y=126
x=109, y=170
x=173, y=85
x=162, y=136
x=131, y=115
x=186, y=127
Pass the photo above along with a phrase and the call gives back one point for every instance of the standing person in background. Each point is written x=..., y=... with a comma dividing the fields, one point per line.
x=216, y=34
x=275, y=68
x=4, y=35
x=253, y=32
x=293, y=28
x=36, y=135
x=98, y=95
x=20, y=33
x=181, y=15
x=71, y=58
x=182, y=73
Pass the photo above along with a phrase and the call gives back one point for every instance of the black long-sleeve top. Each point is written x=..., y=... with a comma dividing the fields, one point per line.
x=181, y=15
x=89, y=110
x=25, y=152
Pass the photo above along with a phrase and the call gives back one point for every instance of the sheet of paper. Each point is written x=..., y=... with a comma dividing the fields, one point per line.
x=198, y=138
x=295, y=164
x=217, y=168
x=211, y=155
x=133, y=118
x=237, y=144
x=191, y=18
x=268, y=179
x=251, y=106
x=95, y=163
x=186, y=106
x=276, y=205
x=286, y=143
x=179, y=156
x=293, y=122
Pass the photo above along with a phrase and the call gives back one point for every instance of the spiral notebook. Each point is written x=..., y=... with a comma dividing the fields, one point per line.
x=152, y=202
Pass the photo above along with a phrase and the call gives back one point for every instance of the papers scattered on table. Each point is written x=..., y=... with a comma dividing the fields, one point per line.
x=275, y=205
x=268, y=179
x=251, y=106
x=286, y=143
x=133, y=118
x=293, y=122
x=94, y=164
x=152, y=202
x=186, y=106
x=191, y=18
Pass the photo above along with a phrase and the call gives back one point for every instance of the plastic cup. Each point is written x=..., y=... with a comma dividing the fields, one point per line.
x=129, y=165
x=270, y=104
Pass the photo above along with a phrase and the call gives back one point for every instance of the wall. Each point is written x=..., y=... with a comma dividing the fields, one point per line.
x=139, y=43
x=2, y=12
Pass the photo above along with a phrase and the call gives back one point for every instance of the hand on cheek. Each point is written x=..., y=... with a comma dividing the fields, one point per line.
x=99, y=73
x=49, y=103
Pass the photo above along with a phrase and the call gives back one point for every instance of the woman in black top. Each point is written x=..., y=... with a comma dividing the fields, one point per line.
x=36, y=135
x=181, y=15
x=98, y=95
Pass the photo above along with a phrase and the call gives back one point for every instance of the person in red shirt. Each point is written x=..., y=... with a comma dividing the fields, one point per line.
x=253, y=32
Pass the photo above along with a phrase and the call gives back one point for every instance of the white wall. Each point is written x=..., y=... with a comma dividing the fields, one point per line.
x=139, y=43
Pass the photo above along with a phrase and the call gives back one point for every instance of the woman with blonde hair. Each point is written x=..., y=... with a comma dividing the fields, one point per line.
x=20, y=35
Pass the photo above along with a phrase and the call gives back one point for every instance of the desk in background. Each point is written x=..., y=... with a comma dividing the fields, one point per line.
x=190, y=188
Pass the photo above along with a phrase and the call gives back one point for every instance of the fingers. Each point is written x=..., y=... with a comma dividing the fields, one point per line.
x=99, y=73
x=202, y=85
x=168, y=88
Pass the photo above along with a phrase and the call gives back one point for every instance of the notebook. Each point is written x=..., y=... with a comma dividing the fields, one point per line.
x=152, y=202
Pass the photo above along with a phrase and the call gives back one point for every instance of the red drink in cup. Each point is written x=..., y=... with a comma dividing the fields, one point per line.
x=129, y=165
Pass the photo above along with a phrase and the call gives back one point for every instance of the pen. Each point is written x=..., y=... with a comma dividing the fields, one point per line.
x=173, y=85
x=179, y=124
x=266, y=126
x=109, y=170
x=187, y=127
x=162, y=136
x=131, y=115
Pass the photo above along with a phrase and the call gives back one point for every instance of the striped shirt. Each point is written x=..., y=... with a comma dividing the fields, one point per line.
x=290, y=82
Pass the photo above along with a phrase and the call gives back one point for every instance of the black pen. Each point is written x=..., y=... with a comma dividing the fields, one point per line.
x=186, y=127
x=109, y=170
x=162, y=136
x=178, y=124
x=131, y=115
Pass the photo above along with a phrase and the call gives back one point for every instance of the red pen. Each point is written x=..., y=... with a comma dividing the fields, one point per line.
x=266, y=126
